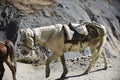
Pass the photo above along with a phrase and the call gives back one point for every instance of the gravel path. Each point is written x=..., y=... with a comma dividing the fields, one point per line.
x=30, y=72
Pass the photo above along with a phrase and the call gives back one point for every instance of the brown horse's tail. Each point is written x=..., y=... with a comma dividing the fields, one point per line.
x=10, y=50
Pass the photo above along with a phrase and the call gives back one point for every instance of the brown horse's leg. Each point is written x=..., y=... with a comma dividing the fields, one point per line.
x=2, y=70
x=105, y=61
x=52, y=57
x=12, y=67
x=65, y=70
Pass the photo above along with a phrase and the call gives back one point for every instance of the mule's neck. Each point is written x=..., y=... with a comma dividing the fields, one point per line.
x=43, y=34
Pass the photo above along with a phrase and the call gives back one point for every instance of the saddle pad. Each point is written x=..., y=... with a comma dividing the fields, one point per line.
x=77, y=37
x=82, y=29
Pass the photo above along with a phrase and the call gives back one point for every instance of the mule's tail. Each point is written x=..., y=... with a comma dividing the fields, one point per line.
x=11, y=50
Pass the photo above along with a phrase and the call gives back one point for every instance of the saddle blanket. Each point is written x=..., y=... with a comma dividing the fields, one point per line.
x=82, y=29
x=78, y=34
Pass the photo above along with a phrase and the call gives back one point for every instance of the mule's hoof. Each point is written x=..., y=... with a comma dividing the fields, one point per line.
x=47, y=75
x=86, y=72
x=63, y=76
x=105, y=68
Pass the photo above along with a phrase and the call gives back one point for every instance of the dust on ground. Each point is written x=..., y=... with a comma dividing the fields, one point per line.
x=76, y=68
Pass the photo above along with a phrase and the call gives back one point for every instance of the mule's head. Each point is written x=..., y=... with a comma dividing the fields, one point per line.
x=27, y=42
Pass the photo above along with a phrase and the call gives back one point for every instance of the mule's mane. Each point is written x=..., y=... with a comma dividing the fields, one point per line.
x=48, y=28
x=45, y=28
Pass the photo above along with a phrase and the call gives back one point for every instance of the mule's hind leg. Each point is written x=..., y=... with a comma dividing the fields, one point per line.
x=65, y=70
x=95, y=55
x=105, y=61
x=12, y=67
x=52, y=57
x=2, y=70
x=94, y=59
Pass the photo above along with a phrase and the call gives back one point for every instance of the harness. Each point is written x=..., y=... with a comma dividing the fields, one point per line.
x=25, y=42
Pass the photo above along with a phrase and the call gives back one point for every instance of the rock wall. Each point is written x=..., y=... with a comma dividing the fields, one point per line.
x=46, y=12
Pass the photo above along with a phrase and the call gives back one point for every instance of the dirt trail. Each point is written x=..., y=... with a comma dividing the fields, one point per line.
x=30, y=72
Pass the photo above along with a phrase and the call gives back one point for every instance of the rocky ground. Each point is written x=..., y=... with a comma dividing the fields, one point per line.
x=38, y=13
x=75, y=67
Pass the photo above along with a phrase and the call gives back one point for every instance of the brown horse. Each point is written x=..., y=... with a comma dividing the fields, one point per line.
x=7, y=55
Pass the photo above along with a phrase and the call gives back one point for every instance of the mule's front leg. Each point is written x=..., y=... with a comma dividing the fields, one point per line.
x=65, y=70
x=53, y=57
x=47, y=68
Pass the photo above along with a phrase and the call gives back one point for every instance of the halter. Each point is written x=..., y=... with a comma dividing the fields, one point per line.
x=25, y=42
x=34, y=40
x=28, y=47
